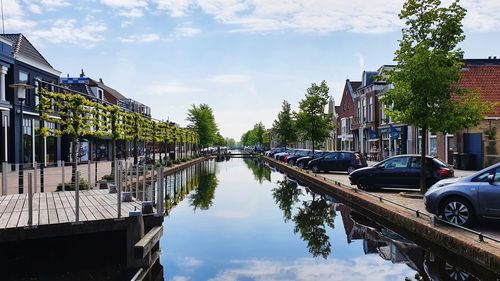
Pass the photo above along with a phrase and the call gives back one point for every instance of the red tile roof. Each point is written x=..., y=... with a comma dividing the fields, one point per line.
x=484, y=79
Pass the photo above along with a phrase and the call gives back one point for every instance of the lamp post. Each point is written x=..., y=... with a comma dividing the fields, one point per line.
x=21, y=96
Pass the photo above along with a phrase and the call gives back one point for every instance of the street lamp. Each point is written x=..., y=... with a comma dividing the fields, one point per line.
x=21, y=96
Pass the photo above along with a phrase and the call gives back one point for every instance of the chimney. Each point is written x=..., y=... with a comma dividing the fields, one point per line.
x=100, y=81
x=495, y=57
x=82, y=74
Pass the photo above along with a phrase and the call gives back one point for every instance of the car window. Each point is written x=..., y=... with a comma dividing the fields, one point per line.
x=497, y=175
x=415, y=163
x=330, y=156
x=396, y=163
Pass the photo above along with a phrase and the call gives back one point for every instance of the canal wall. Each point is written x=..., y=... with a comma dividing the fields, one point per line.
x=485, y=254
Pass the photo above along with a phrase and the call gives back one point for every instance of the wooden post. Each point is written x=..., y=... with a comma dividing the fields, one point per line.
x=126, y=176
x=160, y=192
x=35, y=168
x=77, y=197
x=62, y=175
x=30, y=199
x=135, y=231
x=4, y=178
x=137, y=180
x=95, y=174
x=151, y=183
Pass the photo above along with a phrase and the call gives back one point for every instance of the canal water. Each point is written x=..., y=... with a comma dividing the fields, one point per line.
x=239, y=219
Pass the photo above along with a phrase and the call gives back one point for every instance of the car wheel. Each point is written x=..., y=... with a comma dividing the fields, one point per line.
x=300, y=165
x=363, y=185
x=457, y=211
x=291, y=162
x=350, y=169
x=315, y=169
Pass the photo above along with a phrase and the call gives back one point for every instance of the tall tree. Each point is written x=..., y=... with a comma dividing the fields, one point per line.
x=312, y=122
x=284, y=126
x=425, y=92
x=202, y=121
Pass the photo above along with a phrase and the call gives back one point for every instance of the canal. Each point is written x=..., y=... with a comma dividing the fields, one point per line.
x=247, y=221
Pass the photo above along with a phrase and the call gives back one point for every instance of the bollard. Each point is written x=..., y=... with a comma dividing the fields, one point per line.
x=417, y=213
x=62, y=174
x=4, y=178
x=481, y=237
x=433, y=220
x=77, y=197
x=30, y=199
x=89, y=175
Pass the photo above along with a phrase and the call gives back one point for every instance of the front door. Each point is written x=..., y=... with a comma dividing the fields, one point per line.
x=489, y=195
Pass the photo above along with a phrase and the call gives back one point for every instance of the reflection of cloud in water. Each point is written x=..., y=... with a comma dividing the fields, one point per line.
x=230, y=214
x=189, y=263
x=369, y=267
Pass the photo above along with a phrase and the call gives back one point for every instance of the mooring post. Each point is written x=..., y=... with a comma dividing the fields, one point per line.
x=159, y=192
x=137, y=180
x=62, y=175
x=143, y=182
x=119, y=189
x=35, y=175
x=135, y=231
x=4, y=178
x=89, y=176
x=30, y=199
x=77, y=197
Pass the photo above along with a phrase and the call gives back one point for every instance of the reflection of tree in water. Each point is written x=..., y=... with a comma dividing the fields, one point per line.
x=311, y=221
x=260, y=171
x=203, y=196
x=286, y=195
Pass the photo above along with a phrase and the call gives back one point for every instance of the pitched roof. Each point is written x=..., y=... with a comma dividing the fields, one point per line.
x=21, y=46
x=485, y=79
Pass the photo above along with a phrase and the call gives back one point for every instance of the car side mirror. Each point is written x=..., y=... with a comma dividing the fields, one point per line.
x=491, y=179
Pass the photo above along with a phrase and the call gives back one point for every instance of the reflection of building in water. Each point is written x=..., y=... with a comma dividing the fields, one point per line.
x=392, y=247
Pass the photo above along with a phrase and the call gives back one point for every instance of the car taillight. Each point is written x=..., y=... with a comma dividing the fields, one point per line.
x=444, y=172
x=357, y=159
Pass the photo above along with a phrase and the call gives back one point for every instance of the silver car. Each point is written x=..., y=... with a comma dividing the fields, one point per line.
x=463, y=200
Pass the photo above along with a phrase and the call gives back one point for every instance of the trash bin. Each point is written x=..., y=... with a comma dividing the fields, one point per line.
x=466, y=161
x=456, y=160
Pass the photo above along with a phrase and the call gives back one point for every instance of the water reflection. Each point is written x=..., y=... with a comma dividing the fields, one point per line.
x=203, y=196
x=286, y=195
x=260, y=170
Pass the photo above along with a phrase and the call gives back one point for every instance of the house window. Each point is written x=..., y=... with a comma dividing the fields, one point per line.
x=37, y=91
x=359, y=110
x=432, y=144
x=363, y=110
x=24, y=79
x=370, y=109
x=99, y=94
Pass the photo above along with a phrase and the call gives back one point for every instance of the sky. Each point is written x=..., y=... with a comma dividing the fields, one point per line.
x=242, y=57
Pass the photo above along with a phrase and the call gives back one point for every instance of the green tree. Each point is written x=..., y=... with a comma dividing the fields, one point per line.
x=312, y=122
x=284, y=126
x=286, y=195
x=425, y=92
x=254, y=136
x=202, y=121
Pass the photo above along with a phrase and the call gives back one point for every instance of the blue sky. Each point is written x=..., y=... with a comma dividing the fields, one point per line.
x=242, y=57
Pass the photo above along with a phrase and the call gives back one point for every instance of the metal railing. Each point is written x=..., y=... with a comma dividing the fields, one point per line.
x=419, y=214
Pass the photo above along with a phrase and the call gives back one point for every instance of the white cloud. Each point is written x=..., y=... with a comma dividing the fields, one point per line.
x=321, y=16
x=54, y=3
x=186, y=31
x=229, y=78
x=66, y=31
x=361, y=61
x=189, y=262
x=176, y=8
x=369, y=267
x=128, y=8
x=141, y=38
x=35, y=9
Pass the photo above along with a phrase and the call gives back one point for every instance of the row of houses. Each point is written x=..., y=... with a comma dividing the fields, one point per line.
x=22, y=63
x=363, y=125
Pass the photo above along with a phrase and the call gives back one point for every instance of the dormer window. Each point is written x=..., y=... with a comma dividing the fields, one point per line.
x=100, y=94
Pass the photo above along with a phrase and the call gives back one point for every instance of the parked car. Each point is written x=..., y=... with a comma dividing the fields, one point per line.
x=292, y=158
x=338, y=161
x=400, y=171
x=303, y=162
x=282, y=156
x=463, y=200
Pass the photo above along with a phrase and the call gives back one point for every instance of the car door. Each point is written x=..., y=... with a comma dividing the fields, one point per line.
x=328, y=162
x=489, y=195
x=343, y=161
x=391, y=172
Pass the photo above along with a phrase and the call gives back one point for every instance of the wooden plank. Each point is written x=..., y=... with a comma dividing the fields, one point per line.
x=61, y=212
x=96, y=213
x=4, y=219
x=87, y=213
x=53, y=219
x=23, y=219
x=43, y=215
x=144, y=246
x=14, y=219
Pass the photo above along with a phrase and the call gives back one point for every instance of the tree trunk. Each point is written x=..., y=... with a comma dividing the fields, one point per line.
x=136, y=153
x=423, y=147
x=74, y=164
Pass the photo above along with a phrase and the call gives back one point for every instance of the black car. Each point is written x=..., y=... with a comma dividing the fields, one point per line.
x=292, y=158
x=303, y=162
x=338, y=161
x=400, y=171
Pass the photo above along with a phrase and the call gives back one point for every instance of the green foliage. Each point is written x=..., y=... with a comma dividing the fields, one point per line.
x=170, y=163
x=83, y=184
x=108, y=177
x=286, y=195
x=230, y=142
x=260, y=171
x=312, y=122
x=177, y=161
x=202, y=121
x=284, y=127
x=254, y=136
x=203, y=197
x=425, y=92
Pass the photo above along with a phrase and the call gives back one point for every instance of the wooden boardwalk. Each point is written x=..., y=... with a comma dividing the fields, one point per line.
x=59, y=207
